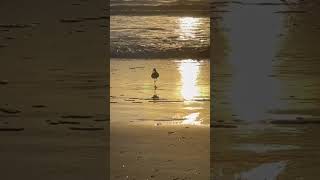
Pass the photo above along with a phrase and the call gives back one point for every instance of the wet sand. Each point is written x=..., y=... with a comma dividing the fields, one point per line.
x=165, y=138
x=182, y=91
x=53, y=89
x=280, y=142
x=165, y=152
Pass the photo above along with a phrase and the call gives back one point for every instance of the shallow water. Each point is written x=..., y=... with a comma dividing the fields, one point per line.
x=183, y=89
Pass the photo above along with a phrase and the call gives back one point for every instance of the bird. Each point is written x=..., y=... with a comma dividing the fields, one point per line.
x=155, y=76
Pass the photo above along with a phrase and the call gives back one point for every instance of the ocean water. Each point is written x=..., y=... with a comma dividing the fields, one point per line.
x=162, y=7
x=159, y=36
x=158, y=29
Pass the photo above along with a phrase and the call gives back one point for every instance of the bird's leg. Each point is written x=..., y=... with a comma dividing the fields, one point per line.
x=155, y=86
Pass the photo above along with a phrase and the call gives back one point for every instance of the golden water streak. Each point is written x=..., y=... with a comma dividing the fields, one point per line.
x=189, y=70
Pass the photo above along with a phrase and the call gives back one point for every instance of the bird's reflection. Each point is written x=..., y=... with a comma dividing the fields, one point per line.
x=155, y=95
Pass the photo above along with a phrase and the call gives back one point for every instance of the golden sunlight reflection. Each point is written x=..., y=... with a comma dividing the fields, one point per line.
x=192, y=119
x=188, y=26
x=189, y=70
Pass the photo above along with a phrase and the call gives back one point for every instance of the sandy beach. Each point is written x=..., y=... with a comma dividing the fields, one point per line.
x=53, y=116
x=166, y=152
x=166, y=137
x=266, y=120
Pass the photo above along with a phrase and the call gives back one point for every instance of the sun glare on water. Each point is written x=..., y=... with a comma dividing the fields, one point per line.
x=188, y=27
x=189, y=70
x=192, y=119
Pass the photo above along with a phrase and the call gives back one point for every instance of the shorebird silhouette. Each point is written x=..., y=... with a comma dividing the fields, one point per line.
x=154, y=76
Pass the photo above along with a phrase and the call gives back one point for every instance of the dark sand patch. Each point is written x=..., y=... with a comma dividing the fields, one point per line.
x=39, y=106
x=312, y=112
x=79, y=31
x=95, y=18
x=9, y=111
x=264, y=148
x=53, y=123
x=100, y=120
x=223, y=126
x=71, y=20
x=4, y=82
x=76, y=116
x=11, y=129
x=290, y=12
x=296, y=122
x=68, y=122
x=8, y=26
x=78, y=20
x=3, y=45
x=86, y=129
